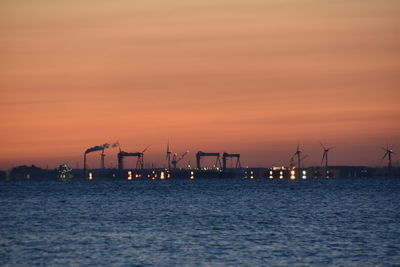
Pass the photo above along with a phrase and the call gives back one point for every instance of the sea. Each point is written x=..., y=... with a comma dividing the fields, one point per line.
x=200, y=222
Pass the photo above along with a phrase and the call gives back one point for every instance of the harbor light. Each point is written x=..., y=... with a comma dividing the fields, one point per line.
x=304, y=175
x=251, y=175
x=162, y=176
x=129, y=175
x=90, y=176
x=191, y=175
x=292, y=174
x=271, y=175
x=281, y=175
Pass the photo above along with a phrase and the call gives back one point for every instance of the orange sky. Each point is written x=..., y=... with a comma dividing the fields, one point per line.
x=248, y=76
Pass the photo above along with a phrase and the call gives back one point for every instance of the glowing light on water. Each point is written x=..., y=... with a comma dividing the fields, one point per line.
x=281, y=175
x=304, y=175
x=191, y=175
x=90, y=176
x=251, y=175
x=292, y=175
x=129, y=175
x=271, y=175
x=162, y=176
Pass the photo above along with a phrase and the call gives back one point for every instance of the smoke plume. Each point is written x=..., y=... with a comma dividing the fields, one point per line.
x=97, y=148
x=116, y=144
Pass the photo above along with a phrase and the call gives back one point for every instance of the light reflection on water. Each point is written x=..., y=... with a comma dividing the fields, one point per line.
x=202, y=222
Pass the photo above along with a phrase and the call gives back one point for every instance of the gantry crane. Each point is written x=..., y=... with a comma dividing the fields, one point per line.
x=201, y=154
x=139, y=161
x=225, y=156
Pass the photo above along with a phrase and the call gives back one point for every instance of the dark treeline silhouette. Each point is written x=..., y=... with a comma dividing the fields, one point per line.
x=30, y=172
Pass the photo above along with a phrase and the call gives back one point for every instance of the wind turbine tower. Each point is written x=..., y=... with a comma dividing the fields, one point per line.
x=298, y=154
x=325, y=157
x=388, y=154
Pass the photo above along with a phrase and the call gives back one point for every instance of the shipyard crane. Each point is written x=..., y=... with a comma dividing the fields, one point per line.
x=225, y=156
x=176, y=159
x=201, y=154
x=139, y=161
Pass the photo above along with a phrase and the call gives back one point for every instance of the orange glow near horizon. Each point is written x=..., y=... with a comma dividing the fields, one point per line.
x=251, y=77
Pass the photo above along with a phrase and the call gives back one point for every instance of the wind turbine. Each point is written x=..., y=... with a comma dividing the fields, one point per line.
x=140, y=160
x=388, y=154
x=325, y=157
x=298, y=154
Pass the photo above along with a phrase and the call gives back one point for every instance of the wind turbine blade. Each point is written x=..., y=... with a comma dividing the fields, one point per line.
x=332, y=147
x=291, y=160
x=323, y=157
x=384, y=156
x=322, y=145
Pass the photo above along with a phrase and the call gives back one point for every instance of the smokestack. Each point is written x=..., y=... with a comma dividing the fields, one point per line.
x=84, y=165
x=93, y=149
x=103, y=165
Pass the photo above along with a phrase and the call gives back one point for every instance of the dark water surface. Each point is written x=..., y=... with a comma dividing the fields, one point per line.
x=210, y=222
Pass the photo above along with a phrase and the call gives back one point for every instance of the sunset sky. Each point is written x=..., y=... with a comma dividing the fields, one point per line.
x=254, y=77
